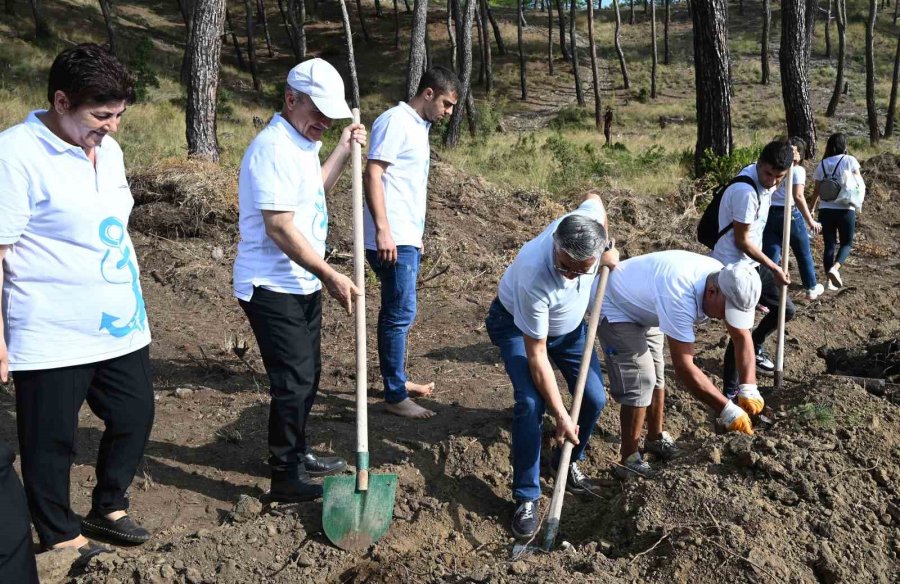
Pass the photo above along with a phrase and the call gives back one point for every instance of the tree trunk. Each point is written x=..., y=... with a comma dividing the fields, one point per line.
x=408, y=9
x=351, y=61
x=108, y=17
x=840, y=8
x=292, y=38
x=666, y=56
x=41, y=27
x=10, y=7
x=871, y=112
x=261, y=14
x=828, y=30
x=486, y=48
x=711, y=77
x=452, y=16
x=573, y=46
x=187, y=13
x=654, y=60
x=896, y=10
x=550, y=36
x=892, y=104
x=379, y=12
x=477, y=23
x=427, y=65
x=251, y=51
x=362, y=21
x=794, y=63
x=234, y=40
x=464, y=35
x=626, y=84
x=521, y=23
x=561, y=16
x=205, y=50
x=741, y=7
x=397, y=27
x=764, y=42
x=416, y=62
x=501, y=46
x=595, y=73
x=632, y=12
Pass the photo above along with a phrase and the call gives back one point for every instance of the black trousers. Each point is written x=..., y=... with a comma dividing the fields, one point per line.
x=16, y=554
x=770, y=296
x=288, y=331
x=120, y=392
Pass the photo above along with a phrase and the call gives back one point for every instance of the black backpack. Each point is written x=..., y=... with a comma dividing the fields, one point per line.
x=708, y=232
x=830, y=187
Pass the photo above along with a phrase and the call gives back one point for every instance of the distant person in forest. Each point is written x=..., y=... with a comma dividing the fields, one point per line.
x=659, y=296
x=280, y=268
x=743, y=212
x=396, y=181
x=538, y=318
x=74, y=327
x=607, y=125
x=802, y=224
x=838, y=217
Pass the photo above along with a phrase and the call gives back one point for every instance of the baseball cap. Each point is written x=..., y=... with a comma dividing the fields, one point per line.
x=741, y=286
x=320, y=81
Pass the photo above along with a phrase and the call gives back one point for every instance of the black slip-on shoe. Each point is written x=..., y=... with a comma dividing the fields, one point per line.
x=319, y=466
x=294, y=491
x=525, y=520
x=122, y=531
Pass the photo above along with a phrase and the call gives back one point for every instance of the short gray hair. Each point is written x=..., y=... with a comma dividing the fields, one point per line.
x=298, y=95
x=581, y=237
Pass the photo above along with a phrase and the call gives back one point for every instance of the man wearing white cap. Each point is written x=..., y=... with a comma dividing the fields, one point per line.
x=280, y=269
x=665, y=294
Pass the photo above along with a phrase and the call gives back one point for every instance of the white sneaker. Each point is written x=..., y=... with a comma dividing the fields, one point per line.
x=834, y=276
x=815, y=292
x=634, y=465
x=832, y=287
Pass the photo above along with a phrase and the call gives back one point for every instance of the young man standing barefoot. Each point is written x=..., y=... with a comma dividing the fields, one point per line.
x=396, y=181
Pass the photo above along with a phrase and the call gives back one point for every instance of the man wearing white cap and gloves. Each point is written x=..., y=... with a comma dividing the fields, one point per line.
x=280, y=269
x=665, y=294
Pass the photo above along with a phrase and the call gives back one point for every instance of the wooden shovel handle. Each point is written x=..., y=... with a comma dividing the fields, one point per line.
x=359, y=268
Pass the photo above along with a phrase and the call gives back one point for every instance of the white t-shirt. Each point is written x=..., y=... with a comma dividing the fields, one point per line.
x=280, y=172
x=663, y=289
x=400, y=138
x=799, y=179
x=543, y=302
x=740, y=203
x=71, y=287
x=849, y=164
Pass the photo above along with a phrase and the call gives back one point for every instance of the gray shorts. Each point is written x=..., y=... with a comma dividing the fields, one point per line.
x=634, y=361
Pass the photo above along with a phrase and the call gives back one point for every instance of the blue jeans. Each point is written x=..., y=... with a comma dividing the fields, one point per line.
x=398, y=311
x=837, y=223
x=799, y=243
x=528, y=411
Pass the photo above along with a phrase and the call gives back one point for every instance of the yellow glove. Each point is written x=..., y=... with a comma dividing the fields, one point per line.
x=734, y=419
x=749, y=399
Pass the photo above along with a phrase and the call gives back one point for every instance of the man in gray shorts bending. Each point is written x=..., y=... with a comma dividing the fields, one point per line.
x=665, y=294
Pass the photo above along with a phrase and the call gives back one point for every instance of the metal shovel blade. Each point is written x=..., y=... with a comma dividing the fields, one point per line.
x=354, y=520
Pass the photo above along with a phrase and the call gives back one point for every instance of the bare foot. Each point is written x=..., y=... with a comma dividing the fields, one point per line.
x=418, y=389
x=409, y=409
x=75, y=543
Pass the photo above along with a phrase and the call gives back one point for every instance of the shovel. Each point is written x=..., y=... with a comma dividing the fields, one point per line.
x=357, y=511
x=562, y=473
x=785, y=249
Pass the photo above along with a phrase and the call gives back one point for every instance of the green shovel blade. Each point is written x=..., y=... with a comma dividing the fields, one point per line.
x=352, y=519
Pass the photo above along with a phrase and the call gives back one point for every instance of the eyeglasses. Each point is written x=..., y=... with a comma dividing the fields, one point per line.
x=566, y=271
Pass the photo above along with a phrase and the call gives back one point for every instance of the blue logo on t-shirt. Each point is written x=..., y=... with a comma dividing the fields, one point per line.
x=120, y=270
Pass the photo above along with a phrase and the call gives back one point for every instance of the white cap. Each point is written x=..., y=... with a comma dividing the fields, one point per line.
x=741, y=286
x=320, y=81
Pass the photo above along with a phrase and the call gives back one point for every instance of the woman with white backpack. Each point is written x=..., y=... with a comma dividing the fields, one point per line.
x=840, y=190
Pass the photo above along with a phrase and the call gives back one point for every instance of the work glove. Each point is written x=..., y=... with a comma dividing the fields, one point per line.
x=735, y=419
x=749, y=399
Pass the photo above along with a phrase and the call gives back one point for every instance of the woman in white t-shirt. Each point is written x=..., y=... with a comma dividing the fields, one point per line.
x=74, y=327
x=838, y=219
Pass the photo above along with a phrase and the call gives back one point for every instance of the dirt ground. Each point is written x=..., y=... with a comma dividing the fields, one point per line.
x=812, y=498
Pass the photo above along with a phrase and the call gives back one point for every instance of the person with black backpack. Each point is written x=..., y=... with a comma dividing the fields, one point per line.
x=741, y=210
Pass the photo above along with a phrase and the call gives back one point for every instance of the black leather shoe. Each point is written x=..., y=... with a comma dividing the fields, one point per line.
x=319, y=466
x=525, y=519
x=122, y=531
x=294, y=490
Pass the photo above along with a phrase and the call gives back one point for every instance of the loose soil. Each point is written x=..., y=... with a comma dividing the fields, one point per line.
x=812, y=497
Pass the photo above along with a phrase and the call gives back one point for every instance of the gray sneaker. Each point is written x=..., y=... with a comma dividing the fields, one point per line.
x=664, y=448
x=634, y=465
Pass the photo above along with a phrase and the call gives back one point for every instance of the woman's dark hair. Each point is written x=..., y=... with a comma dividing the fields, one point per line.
x=799, y=144
x=89, y=73
x=837, y=145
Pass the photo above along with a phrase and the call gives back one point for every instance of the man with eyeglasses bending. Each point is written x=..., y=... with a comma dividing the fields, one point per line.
x=538, y=318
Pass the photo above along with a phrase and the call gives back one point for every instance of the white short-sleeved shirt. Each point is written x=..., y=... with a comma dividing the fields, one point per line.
x=799, y=179
x=544, y=303
x=826, y=168
x=71, y=286
x=280, y=171
x=744, y=204
x=663, y=289
x=400, y=138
